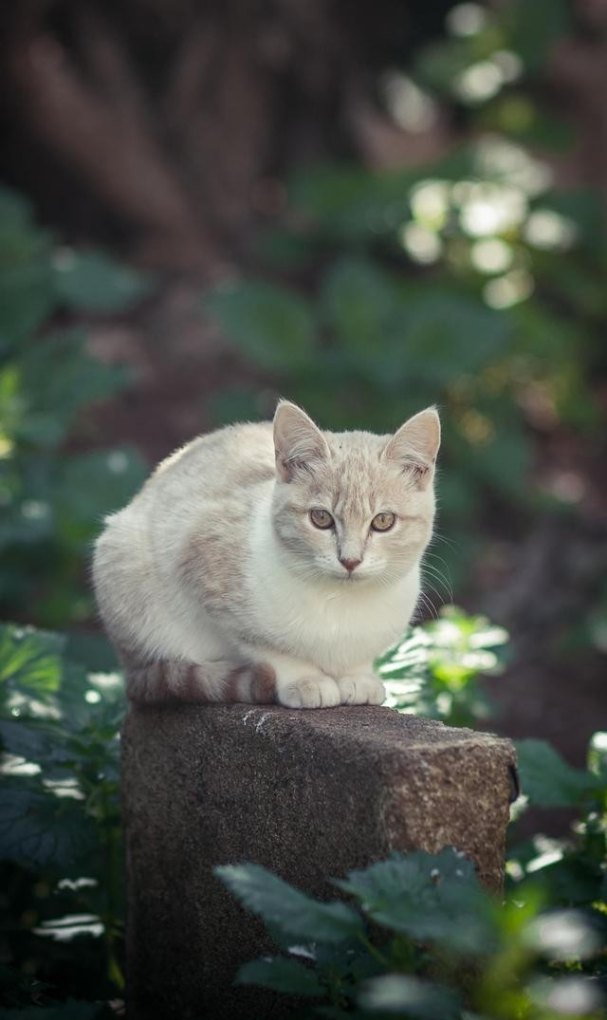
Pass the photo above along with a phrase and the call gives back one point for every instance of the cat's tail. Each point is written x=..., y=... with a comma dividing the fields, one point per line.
x=163, y=681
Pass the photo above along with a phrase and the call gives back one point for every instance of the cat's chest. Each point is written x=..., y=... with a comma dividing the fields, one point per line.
x=339, y=630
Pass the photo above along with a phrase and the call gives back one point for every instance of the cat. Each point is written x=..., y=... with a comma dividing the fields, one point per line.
x=270, y=562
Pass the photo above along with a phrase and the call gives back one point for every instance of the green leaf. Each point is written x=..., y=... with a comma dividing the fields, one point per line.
x=397, y=993
x=427, y=897
x=548, y=780
x=36, y=740
x=434, y=670
x=271, y=325
x=43, y=830
x=104, y=712
x=534, y=28
x=89, y=281
x=26, y=292
x=450, y=335
x=503, y=462
x=360, y=303
x=57, y=378
x=26, y=299
x=16, y=212
x=292, y=911
x=281, y=975
x=91, y=485
x=30, y=660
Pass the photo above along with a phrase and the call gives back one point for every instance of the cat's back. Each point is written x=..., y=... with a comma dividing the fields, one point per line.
x=218, y=465
x=214, y=479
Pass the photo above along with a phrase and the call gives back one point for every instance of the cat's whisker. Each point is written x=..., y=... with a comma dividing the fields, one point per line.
x=438, y=537
x=436, y=575
x=428, y=587
x=431, y=554
x=428, y=604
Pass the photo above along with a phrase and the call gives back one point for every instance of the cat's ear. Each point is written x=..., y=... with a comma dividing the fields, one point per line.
x=415, y=445
x=298, y=442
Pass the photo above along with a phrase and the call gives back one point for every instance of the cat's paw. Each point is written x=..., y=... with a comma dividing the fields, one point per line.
x=361, y=690
x=314, y=691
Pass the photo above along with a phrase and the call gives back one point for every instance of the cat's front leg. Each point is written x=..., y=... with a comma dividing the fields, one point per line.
x=300, y=684
x=361, y=687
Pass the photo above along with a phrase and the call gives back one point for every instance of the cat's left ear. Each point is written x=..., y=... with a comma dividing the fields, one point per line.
x=298, y=442
x=415, y=445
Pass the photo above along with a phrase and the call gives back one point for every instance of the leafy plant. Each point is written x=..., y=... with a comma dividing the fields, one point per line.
x=436, y=669
x=52, y=500
x=60, y=838
x=60, y=852
x=571, y=870
x=422, y=940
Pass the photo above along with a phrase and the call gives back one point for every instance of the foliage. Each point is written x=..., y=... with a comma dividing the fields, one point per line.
x=61, y=859
x=52, y=499
x=424, y=940
x=570, y=871
x=435, y=670
x=60, y=838
x=473, y=282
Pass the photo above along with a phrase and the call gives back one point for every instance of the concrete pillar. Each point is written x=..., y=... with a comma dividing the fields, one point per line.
x=308, y=794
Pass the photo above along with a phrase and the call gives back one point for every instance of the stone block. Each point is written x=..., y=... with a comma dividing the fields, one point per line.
x=308, y=794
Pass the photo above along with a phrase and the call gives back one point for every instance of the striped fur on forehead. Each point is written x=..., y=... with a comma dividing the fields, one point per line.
x=354, y=482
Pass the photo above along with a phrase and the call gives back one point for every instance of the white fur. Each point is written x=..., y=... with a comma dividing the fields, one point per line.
x=248, y=595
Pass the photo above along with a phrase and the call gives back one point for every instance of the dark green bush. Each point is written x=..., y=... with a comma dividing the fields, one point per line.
x=60, y=838
x=52, y=499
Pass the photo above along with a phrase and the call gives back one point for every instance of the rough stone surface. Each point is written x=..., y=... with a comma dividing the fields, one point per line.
x=308, y=794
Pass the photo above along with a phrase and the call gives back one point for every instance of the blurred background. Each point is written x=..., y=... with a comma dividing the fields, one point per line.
x=366, y=208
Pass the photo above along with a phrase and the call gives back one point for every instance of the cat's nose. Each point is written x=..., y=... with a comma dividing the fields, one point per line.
x=350, y=565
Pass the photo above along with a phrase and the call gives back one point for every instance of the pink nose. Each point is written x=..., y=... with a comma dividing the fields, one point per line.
x=350, y=565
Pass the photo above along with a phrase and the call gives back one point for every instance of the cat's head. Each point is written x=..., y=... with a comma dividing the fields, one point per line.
x=354, y=506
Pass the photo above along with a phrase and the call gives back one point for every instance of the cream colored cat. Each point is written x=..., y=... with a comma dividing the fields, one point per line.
x=264, y=563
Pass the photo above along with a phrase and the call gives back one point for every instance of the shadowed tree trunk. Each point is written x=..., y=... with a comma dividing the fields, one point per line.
x=177, y=120
x=169, y=125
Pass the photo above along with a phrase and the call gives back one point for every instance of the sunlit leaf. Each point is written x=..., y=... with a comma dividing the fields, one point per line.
x=30, y=660
x=422, y=1000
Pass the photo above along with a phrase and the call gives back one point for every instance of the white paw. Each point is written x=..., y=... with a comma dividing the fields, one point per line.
x=314, y=691
x=361, y=690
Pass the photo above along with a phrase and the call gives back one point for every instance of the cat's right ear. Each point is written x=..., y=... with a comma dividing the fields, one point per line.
x=415, y=445
x=298, y=442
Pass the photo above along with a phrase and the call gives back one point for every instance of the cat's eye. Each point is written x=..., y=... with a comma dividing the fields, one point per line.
x=383, y=522
x=321, y=518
